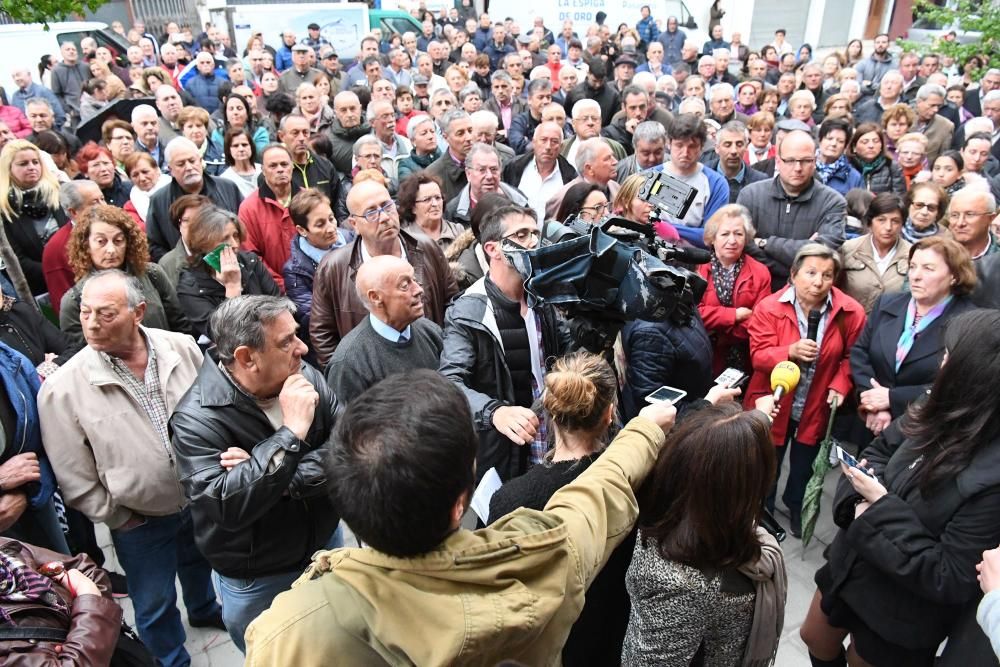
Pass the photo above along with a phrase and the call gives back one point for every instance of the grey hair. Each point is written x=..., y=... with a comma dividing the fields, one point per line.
x=991, y=96
x=240, y=322
x=176, y=144
x=705, y=60
x=501, y=75
x=364, y=141
x=415, y=122
x=38, y=100
x=893, y=73
x=585, y=152
x=724, y=89
x=648, y=131
x=133, y=288
x=929, y=89
x=450, y=117
x=371, y=111
x=582, y=105
x=485, y=116
x=688, y=102
x=982, y=193
x=470, y=89
x=69, y=193
x=539, y=86
x=142, y=110
x=815, y=250
x=736, y=127
x=725, y=213
x=480, y=148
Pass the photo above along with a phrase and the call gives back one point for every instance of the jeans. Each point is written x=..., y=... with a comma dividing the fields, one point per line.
x=244, y=599
x=153, y=555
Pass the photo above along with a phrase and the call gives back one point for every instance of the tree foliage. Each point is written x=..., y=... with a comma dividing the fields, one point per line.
x=45, y=11
x=978, y=16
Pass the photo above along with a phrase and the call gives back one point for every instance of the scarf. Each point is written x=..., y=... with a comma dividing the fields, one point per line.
x=910, y=172
x=771, y=584
x=824, y=171
x=19, y=584
x=737, y=356
x=868, y=168
x=912, y=234
x=28, y=203
x=915, y=325
x=955, y=187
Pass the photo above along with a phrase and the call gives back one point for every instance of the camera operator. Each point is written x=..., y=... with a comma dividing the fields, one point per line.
x=495, y=348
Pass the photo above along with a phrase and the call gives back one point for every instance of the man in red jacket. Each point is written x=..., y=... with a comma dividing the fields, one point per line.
x=265, y=212
x=76, y=198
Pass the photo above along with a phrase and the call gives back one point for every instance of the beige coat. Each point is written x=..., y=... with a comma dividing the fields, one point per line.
x=512, y=590
x=106, y=454
x=860, y=275
x=938, y=135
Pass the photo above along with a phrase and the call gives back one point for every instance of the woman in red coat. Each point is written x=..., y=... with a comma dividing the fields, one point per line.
x=778, y=332
x=736, y=283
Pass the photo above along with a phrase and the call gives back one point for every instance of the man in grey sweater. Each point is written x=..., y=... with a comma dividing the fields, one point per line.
x=394, y=338
x=792, y=209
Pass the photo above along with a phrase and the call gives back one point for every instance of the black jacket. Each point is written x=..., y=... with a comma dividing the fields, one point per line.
x=28, y=247
x=118, y=193
x=907, y=566
x=514, y=170
x=253, y=520
x=874, y=353
x=887, y=178
x=616, y=130
x=342, y=143
x=318, y=173
x=473, y=358
x=26, y=330
x=665, y=353
x=200, y=294
x=607, y=97
x=160, y=230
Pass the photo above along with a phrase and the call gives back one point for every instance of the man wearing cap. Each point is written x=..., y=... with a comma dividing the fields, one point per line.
x=329, y=64
x=624, y=71
x=300, y=72
x=421, y=92
x=315, y=41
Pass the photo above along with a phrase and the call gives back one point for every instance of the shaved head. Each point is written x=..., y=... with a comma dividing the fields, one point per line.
x=376, y=273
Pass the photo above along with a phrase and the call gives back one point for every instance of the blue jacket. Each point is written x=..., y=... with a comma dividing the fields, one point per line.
x=484, y=36
x=673, y=43
x=718, y=196
x=665, y=353
x=846, y=179
x=298, y=273
x=19, y=98
x=283, y=58
x=647, y=29
x=21, y=381
x=496, y=53
x=205, y=90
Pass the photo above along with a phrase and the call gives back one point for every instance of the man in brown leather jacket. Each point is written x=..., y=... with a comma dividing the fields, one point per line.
x=337, y=308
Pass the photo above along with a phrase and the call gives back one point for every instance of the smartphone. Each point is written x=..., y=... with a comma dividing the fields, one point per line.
x=842, y=455
x=731, y=378
x=666, y=395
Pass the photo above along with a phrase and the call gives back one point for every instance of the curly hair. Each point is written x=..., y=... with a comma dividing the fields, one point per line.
x=406, y=196
x=78, y=248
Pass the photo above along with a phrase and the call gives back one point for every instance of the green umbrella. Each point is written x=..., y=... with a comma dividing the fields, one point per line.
x=814, y=489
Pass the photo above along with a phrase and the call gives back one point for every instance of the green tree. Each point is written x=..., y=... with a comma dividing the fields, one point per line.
x=44, y=11
x=979, y=16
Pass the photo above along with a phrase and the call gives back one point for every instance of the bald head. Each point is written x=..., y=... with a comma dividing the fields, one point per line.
x=376, y=273
x=390, y=291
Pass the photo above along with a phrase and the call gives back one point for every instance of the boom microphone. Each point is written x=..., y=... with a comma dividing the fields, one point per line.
x=784, y=379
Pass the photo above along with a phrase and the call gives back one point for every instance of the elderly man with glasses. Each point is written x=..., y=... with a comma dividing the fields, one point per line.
x=337, y=307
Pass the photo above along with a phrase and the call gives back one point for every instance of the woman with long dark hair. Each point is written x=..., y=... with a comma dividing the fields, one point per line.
x=902, y=568
x=704, y=576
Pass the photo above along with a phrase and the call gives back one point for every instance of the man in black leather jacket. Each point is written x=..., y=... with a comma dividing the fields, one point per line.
x=250, y=439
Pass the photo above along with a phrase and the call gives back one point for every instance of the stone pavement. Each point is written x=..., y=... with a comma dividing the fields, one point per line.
x=212, y=648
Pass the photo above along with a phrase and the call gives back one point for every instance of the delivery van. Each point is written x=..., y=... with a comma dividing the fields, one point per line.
x=24, y=44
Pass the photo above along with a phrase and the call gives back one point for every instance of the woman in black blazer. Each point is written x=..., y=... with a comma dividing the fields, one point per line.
x=900, y=350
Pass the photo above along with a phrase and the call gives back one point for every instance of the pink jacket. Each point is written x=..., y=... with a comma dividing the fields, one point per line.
x=15, y=120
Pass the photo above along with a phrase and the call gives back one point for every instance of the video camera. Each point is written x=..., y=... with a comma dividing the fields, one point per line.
x=619, y=271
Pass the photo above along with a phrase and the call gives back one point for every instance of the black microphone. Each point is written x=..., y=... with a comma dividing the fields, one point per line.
x=689, y=255
x=813, y=326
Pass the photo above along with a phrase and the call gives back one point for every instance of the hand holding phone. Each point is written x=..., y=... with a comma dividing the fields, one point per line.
x=666, y=394
x=845, y=457
x=730, y=378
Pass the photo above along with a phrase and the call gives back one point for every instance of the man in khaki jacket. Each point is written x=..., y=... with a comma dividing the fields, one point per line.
x=104, y=424
x=426, y=591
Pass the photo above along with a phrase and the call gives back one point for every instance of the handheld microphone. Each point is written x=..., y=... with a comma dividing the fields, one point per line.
x=784, y=379
x=813, y=326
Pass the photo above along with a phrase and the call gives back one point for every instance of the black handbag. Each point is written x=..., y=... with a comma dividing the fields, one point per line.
x=129, y=651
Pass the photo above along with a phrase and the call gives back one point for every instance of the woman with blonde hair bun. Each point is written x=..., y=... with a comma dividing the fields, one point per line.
x=579, y=400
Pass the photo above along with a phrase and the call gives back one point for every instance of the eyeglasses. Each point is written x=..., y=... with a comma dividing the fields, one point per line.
x=596, y=208
x=522, y=235
x=801, y=164
x=919, y=205
x=971, y=216
x=433, y=199
x=484, y=170
x=375, y=214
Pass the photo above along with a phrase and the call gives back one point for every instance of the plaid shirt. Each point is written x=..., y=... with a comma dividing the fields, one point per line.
x=147, y=393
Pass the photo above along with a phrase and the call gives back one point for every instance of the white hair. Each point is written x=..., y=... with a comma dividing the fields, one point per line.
x=142, y=111
x=583, y=105
x=177, y=144
x=485, y=117
x=721, y=89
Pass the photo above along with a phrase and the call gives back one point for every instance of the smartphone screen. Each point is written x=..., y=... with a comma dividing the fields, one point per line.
x=730, y=378
x=666, y=395
x=850, y=460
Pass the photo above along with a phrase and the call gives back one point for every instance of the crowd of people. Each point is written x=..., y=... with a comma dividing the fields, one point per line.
x=274, y=300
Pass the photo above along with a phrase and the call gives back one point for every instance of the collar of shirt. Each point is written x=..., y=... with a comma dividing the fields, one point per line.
x=455, y=160
x=119, y=365
x=738, y=177
x=387, y=332
x=802, y=316
x=880, y=261
x=365, y=255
